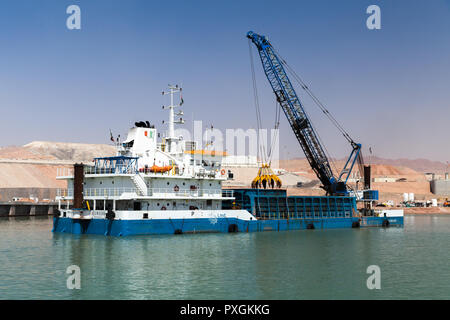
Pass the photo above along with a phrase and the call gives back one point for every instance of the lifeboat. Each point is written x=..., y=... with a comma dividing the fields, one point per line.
x=155, y=168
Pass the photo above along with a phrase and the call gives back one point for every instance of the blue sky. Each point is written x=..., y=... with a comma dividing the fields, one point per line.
x=389, y=88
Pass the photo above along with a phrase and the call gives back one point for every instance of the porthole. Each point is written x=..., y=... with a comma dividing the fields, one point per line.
x=167, y=183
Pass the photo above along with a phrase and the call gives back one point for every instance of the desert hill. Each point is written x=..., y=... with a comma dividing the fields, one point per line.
x=419, y=165
x=70, y=151
x=45, y=150
x=34, y=165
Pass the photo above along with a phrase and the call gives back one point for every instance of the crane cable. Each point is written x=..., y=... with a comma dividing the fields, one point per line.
x=315, y=99
x=277, y=113
x=261, y=152
x=360, y=159
x=330, y=159
x=276, y=127
x=324, y=110
x=296, y=77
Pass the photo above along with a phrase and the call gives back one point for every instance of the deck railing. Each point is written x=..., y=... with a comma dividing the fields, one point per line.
x=64, y=172
x=116, y=170
x=68, y=172
x=155, y=192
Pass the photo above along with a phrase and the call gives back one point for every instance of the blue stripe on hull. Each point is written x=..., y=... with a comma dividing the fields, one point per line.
x=378, y=221
x=168, y=226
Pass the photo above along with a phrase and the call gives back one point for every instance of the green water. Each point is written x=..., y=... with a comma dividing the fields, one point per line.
x=310, y=264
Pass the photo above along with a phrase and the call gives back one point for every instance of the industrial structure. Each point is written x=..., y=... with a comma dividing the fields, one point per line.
x=440, y=186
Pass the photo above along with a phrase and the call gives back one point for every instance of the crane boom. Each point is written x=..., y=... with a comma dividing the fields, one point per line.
x=298, y=119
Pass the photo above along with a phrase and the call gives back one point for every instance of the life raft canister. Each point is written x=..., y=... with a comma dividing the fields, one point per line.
x=176, y=188
x=222, y=171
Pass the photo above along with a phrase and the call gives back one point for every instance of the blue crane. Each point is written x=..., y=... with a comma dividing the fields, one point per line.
x=299, y=122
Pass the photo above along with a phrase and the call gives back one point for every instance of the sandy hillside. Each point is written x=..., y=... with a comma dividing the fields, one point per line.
x=302, y=167
x=70, y=151
x=23, y=153
x=17, y=175
x=34, y=175
x=419, y=165
x=414, y=181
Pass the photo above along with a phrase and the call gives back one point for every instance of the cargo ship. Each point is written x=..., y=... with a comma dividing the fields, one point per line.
x=169, y=186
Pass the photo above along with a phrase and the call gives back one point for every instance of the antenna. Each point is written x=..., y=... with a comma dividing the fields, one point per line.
x=171, y=124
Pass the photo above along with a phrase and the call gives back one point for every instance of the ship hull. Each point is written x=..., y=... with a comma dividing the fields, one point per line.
x=202, y=225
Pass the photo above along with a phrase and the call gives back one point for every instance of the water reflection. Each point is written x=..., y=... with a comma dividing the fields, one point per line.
x=310, y=264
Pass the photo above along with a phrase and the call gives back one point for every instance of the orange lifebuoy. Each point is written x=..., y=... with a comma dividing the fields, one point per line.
x=222, y=171
x=163, y=208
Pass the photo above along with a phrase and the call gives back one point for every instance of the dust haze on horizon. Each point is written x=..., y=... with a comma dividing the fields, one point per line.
x=388, y=87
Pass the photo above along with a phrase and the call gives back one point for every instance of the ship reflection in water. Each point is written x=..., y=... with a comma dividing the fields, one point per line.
x=327, y=264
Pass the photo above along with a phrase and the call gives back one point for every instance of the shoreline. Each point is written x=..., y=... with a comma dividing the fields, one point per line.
x=427, y=211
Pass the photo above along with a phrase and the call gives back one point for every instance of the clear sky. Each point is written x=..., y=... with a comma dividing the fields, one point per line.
x=389, y=88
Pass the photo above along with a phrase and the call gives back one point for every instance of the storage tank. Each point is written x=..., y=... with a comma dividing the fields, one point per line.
x=405, y=197
x=434, y=202
x=411, y=197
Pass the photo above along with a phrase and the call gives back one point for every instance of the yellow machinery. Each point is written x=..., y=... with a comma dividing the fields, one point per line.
x=266, y=178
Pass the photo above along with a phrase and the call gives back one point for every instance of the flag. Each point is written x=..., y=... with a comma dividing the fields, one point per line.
x=370, y=150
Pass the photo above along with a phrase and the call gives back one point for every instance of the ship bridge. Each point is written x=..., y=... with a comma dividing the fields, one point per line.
x=114, y=165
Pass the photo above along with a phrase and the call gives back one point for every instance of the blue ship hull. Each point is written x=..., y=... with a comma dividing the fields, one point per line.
x=168, y=226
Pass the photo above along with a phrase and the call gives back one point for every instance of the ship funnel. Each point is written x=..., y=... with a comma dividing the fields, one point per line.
x=78, y=181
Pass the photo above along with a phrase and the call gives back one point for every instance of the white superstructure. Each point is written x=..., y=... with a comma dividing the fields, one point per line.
x=150, y=175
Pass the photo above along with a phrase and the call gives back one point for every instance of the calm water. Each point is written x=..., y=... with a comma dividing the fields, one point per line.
x=311, y=264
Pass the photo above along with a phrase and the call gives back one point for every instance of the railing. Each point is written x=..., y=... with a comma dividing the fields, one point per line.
x=68, y=172
x=64, y=172
x=116, y=170
x=191, y=193
x=64, y=193
x=108, y=192
x=97, y=192
x=227, y=193
x=155, y=192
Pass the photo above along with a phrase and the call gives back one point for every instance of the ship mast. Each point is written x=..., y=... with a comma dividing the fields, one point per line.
x=171, y=138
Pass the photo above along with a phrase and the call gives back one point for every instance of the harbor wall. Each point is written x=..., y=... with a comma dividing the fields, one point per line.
x=18, y=209
x=7, y=194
